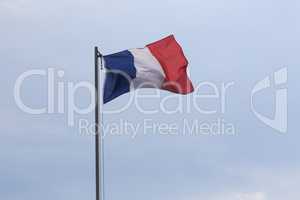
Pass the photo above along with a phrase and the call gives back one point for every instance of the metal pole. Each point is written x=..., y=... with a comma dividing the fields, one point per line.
x=97, y=134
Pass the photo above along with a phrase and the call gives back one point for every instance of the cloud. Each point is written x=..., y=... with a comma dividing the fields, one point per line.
x=232, y=196
x=251, y=196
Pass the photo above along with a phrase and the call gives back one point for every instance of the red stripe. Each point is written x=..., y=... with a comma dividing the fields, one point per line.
x=171, y=57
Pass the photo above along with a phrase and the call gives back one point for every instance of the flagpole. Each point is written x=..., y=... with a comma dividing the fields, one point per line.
x=97, y=55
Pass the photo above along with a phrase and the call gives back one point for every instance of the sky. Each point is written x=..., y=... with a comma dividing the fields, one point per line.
x=238, y=42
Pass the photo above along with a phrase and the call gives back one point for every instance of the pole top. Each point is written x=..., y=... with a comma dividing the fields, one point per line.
x=97, y=52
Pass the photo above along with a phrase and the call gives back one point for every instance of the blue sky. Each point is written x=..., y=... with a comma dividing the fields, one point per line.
x=239, y=41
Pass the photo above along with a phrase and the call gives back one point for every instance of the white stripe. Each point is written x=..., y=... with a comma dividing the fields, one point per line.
x=149, y=72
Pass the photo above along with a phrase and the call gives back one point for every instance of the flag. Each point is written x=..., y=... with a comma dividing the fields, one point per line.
x=161, y=64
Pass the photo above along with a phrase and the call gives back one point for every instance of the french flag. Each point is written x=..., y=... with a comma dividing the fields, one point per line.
x=161, y=64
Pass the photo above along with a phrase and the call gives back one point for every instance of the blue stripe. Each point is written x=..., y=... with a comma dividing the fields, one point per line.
x=116, y=83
